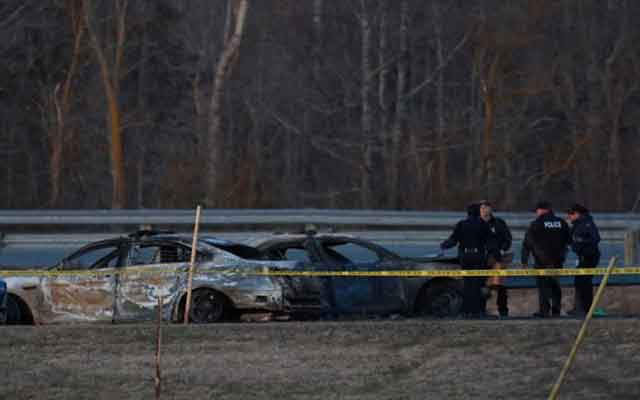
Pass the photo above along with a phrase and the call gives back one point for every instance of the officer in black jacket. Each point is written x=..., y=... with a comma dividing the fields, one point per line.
x=500, y=243
x=584, y=242
x=472, y=236
x=547, y=238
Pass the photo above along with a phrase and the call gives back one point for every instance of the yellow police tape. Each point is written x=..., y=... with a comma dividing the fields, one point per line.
x=177, y=269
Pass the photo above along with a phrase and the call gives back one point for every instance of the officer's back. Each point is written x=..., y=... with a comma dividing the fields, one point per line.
x=547, y=238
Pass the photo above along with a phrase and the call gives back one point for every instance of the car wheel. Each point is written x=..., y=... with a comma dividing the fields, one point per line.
x=440, y=300
x=208, y=306
x=14, y=312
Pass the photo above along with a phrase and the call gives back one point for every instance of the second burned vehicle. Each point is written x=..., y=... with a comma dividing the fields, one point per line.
x=440, y=296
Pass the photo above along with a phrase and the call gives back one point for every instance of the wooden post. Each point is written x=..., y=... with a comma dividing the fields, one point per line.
x=556, y=387
x=631, y=239
x=187, y=304
x=158, y=377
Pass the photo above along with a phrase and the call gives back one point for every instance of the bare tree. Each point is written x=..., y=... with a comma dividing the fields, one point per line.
x=110, y=53
x=620, y=81
x=62, y=134
x=367, y=171
x=438, y=23
x=401, y=116
x=223, y=69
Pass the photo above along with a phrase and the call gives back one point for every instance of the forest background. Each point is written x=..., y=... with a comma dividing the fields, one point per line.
x=375, y=104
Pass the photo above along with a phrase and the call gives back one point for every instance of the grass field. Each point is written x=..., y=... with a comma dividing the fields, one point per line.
x=401, y=359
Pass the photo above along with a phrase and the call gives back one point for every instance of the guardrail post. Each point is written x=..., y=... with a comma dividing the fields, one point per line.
x=631, y=239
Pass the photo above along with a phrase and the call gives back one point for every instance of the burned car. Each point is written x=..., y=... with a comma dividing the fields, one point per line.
x=121, y=279
x=438, y=296
x=3, y=302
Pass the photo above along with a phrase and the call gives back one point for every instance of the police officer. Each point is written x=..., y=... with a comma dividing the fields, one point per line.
x=584, y=242
x=472, y=237
x=500, y=243
x=547, y=238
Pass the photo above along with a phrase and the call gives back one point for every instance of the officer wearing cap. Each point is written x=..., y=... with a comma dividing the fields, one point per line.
x=501, y=243
x=584, y=242
x=472, y=235
x=547, y=238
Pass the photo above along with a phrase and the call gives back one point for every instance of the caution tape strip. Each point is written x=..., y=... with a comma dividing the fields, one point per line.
x=283, y=273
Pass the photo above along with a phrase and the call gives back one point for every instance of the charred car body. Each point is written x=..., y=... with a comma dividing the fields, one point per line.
x=3, y=302
x=440, y=296
x=122, y=279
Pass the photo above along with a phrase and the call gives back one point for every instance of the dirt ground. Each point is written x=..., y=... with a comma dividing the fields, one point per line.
x=383, y=359
x=616, y=300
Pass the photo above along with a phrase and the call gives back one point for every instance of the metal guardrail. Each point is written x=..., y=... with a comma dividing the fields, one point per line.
x=426, y=237
x=43, y=227
x=278, y=217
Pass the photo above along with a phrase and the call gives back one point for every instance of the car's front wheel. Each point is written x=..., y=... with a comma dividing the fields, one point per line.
x=17, y=312
x=441, y=299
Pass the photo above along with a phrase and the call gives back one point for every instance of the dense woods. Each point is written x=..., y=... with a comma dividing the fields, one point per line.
x=394, y=104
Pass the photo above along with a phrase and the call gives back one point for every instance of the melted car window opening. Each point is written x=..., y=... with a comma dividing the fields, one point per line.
x=357, y=253
x=243, y=251
x=94, y=258
x=159, y=253
x=296, y=254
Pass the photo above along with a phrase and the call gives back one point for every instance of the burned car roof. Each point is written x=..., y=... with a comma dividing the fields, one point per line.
x=239, y=249
x=289, y=237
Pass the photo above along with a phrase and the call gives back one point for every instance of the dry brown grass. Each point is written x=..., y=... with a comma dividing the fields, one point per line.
x=404, y=359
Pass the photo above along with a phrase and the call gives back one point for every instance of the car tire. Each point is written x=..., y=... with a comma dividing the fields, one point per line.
x=14, y=311
x=209, y=306
x=440, y=300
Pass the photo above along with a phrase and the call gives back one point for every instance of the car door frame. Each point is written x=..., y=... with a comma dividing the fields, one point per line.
x=339, y=284
x=58, y=288
x=129, y=283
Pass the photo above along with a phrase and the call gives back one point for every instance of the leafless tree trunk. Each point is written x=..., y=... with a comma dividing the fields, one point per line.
x=384, y=71
x=617, y=88
x=470, y=163
x=366, y=177
x=142, y=149
x=442, y=140
x=62, y=134
x=401, y=106
x=110, y=72
x=489, y=93
x=318, y=29
x=223, y=70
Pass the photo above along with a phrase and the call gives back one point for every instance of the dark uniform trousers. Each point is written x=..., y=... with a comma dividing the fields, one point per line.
x=584, y=283
x=549, y=293
x=473, y=301
x=502, y=300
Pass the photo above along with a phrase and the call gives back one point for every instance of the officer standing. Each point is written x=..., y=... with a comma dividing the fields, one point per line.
x=585, y=238
x=500, y=243
x=472, y=236
x=547, y=238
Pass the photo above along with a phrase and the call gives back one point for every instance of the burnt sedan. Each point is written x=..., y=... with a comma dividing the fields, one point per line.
x=121, y=279
x=439, y=297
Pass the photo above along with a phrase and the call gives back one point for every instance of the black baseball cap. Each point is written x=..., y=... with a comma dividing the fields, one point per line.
x=543, y=205
x=473, y=210
x=577, y=208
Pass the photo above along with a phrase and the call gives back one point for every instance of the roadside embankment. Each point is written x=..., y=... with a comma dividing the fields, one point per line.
x=385, y=359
